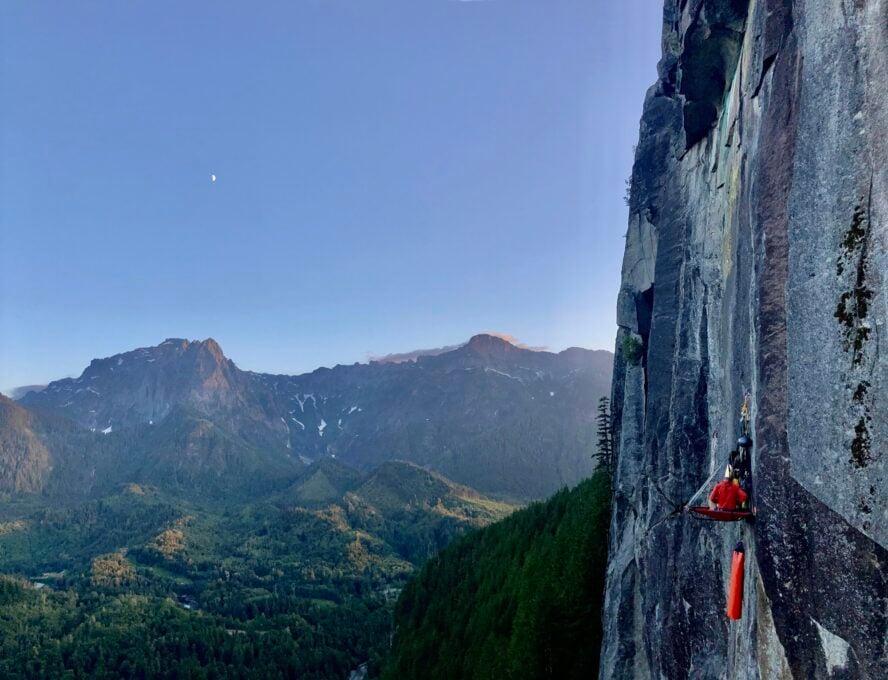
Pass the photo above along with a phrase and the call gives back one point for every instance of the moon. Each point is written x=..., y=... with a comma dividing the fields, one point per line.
x=213, y=178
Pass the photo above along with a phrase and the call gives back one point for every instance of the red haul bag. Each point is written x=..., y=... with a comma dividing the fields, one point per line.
x=735, y=586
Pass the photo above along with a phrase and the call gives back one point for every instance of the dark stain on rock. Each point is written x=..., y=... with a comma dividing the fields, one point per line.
x=707, y=63
x=860, y=392
x=853, y=307
x=861, y=451
x=852, y=312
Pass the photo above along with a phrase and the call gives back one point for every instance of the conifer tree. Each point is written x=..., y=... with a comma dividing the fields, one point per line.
x=605, y=452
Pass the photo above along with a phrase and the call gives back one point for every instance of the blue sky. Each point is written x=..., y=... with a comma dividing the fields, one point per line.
x=391, y=175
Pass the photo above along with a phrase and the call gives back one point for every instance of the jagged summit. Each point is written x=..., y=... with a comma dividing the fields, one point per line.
x=171, y=349
x=181, y=346
x=209, y=345
x=476, y=341
x=144, y=384
x=484, y=343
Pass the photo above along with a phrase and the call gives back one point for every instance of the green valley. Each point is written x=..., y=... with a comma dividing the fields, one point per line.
x=297, y=584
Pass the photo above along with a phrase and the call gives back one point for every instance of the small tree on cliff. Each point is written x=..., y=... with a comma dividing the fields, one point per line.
x=605, y=452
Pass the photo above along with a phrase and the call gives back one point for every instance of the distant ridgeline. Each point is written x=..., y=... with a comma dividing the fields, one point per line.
x=504, y=420
x=519, y=599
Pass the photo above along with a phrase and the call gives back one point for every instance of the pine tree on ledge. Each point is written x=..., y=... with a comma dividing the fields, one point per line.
x=605, y=452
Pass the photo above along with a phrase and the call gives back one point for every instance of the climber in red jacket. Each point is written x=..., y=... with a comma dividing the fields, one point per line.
x=727, y=495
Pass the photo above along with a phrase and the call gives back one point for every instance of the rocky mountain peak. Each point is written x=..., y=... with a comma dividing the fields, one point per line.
x=212, y=347
x=210, y=362
x=144, y=384
x=486, y=344
x=181, y=346
x=175, y=343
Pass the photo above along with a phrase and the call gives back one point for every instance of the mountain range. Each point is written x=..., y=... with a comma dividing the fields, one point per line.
x=505, y=420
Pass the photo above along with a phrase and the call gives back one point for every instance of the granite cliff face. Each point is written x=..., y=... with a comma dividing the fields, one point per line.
x=756, y=261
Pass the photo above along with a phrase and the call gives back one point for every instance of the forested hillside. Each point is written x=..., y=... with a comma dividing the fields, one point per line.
x=141, y=584
x=107, y=633
x=519, y=599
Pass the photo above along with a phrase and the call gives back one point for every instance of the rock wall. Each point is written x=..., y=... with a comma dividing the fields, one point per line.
x=756, y=261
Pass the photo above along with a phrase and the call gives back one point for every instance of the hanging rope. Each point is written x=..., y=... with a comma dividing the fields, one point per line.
x=702, y=494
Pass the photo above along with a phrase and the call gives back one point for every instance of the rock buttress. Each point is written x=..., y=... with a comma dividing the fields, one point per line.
x=756, y=262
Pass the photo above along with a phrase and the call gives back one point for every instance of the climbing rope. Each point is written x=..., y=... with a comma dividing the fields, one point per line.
x=744, y=415
x=703, y=492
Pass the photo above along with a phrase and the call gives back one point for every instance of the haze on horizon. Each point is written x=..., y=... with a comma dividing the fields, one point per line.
x=389, y=175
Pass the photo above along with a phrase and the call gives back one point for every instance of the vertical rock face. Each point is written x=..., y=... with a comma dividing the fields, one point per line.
x=756, y=262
